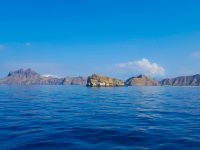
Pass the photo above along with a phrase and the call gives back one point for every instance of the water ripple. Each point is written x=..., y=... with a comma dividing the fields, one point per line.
x=75, y=117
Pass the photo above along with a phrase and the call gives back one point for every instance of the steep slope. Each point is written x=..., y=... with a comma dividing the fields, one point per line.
x=141, y=80
x=102, y=81
x=22, y=77
x=182, y=81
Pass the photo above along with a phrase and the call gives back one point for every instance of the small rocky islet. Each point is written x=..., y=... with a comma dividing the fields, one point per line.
x=30, y=77
x=102, y=81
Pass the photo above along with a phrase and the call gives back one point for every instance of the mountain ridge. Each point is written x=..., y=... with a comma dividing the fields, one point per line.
x=30, y=77
x=193, y=80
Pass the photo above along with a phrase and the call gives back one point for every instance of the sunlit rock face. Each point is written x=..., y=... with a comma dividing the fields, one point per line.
x=102, y=81
x=141, y=80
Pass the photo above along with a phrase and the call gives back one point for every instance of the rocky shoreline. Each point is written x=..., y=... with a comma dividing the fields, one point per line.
x=30, y=77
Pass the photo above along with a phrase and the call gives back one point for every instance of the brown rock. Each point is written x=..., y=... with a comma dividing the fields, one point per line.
x=102, y=81
x=141, y=81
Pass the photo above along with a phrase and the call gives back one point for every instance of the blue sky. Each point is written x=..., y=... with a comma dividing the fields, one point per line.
x=119, y=38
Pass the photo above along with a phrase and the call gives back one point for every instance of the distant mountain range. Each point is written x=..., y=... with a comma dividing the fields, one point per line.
x=30, y=77
x=182, y=81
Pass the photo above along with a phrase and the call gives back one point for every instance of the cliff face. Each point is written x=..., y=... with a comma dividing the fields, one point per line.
x=182, y=81
x=141, y=81
x=29, y=77
x=102, y=81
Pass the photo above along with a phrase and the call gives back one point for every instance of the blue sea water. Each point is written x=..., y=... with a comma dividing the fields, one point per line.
x=76, y=117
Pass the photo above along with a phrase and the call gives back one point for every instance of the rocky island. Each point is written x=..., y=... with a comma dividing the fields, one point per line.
x=141, y=80
x=102, y=81
x=30, y=77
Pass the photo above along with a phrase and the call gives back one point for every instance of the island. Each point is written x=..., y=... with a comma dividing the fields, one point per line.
x=30, y=77
x=102, y=81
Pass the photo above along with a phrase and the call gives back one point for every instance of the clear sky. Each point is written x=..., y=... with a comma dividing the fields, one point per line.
x=119, y=38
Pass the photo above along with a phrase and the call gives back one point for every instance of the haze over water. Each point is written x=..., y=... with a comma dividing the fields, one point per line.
x=76, y=117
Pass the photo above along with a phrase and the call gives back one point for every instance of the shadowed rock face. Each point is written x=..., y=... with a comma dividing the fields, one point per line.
x=30, y=77
x=22, y=77
x=141, y=81
x=1, y=81
x=102, y=81
x=182, y=81
x=75, y=80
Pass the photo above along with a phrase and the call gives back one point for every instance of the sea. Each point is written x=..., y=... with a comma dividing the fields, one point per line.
x=114, y=118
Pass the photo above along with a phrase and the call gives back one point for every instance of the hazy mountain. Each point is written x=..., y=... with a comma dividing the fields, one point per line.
x=75, y=80
x=182, y=81
x=30, y=77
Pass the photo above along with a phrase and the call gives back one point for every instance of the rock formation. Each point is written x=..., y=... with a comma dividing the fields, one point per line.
x=102, y=81
x=22, y=77
x=1, y=81
x=141, y=80
x=75, y=80
x=182, y=81
x=30, y=77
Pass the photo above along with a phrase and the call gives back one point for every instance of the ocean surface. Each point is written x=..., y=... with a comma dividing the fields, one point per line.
x=76, y=117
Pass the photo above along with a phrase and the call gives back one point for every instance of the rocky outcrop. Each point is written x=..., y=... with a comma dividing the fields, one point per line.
x=75, y=80
x=182, y=81
x=51, y=81
x=102, y=81
x=141, y=81
x=1, y=81
x=30, y=77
